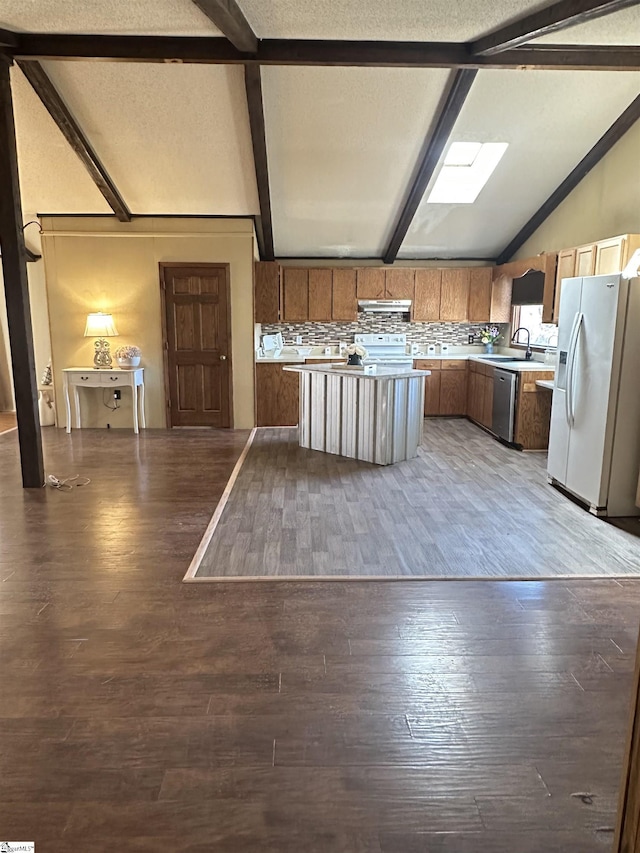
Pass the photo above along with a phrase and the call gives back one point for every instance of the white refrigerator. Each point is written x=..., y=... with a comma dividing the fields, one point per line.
x=594, y=442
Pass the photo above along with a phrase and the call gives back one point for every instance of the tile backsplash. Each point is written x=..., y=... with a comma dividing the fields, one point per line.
x=315, y=334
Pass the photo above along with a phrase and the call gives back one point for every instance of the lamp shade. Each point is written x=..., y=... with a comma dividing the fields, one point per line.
x=100, y=325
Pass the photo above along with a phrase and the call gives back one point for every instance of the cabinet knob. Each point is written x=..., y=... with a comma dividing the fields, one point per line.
x=223, y=358
x=113, y=378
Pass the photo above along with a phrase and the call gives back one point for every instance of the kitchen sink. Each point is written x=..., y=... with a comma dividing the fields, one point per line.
x=502, y=358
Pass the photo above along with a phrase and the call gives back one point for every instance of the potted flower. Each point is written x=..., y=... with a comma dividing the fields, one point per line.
x=128, y=356
x=356, y=353
x=489, y=336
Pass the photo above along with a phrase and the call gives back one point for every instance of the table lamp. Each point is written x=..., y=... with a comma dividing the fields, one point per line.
x=101, y=326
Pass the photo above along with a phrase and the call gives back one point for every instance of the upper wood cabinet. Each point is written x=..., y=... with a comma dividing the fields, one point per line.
x=266, y=292
x=370, y=282
x=320, y=294
x=503, y=285
x=613, y=255
x=566, y=269
x=295, y=295
x=501, y=289
x=480, y=294
x=428, y=284
x=399, y=283
x=585, y=260
x=345, y=301
x=454, y=295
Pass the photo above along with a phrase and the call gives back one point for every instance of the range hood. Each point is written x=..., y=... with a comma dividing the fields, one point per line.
x=384, y=306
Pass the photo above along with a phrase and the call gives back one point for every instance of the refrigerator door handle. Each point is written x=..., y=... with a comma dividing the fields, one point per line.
x=567, y=408
x=570, y=396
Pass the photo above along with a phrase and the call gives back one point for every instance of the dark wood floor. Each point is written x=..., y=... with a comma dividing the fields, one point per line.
x=466, y=506
x=7, y=421
x=138, y=713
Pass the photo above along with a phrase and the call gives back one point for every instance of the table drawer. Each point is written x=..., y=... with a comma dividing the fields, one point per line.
x=88, y=378
x=115, y=377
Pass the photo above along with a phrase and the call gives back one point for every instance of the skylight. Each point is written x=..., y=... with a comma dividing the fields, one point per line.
x=466, y=169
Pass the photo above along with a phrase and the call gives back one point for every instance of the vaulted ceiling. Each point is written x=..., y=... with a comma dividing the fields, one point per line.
x=343, y=144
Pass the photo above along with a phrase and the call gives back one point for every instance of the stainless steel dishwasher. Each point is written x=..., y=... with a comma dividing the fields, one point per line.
x=504, y=403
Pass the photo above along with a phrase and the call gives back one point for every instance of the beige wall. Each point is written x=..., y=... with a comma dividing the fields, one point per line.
x=606, y=203
x=99, y=264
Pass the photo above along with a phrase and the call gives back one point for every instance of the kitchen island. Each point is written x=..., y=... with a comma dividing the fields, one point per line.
x=377, y=417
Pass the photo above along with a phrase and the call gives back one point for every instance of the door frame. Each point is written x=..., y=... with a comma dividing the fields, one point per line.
x=167, y=265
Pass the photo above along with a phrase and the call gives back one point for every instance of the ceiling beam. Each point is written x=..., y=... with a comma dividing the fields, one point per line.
x=8, y=38
x=566, y=13
x=444, y=123
x=606, y=142
x=264, y=229
x=220, y=51
x=228, y=18
x=60, y=113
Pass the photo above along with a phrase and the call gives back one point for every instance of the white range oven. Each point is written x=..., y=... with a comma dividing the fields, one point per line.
x=387, y=350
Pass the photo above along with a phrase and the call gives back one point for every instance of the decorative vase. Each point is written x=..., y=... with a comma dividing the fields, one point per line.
x=355, y=360
x=129, y=362
x=488, y=347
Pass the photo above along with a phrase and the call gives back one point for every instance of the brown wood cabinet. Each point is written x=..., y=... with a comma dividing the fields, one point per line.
x=454, y=295
x=295, y=295
x=276, y=396
x=585, y=260
x=446, y=388
x=428, y=284
x=345, y=301
x=480, y=294
x=370, y=282
x=480, y=396
x=320, y=294
x=266, y=292
x=399, y=283
x=566, y=268
x=533, y=411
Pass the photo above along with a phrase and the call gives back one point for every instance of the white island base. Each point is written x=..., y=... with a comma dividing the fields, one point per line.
x=375, y=417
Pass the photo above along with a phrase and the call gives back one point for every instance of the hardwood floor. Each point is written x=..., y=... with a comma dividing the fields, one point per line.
x=138, y=713
x=7, y=421
x=467, y=506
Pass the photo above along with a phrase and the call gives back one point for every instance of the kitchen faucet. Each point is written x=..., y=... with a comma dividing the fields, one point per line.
x=529, y=351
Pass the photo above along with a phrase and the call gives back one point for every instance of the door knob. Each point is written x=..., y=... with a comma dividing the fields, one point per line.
x=223, y=358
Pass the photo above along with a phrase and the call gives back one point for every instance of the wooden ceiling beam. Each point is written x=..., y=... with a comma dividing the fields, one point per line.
x=264, y=228
x=8, y=38
x=229, y=19
x=566, y=13
x=220, y=51
x=70, y=129
x=606, y=142
x=444, y=123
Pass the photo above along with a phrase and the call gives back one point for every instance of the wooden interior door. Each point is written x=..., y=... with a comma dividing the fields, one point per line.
x=197, y=329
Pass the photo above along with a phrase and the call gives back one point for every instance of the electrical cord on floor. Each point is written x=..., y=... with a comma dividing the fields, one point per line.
x=68, y=483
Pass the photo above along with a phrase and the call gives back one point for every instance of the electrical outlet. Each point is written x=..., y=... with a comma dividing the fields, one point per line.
x=298, y=339
x=472, y=339
x=117, y=394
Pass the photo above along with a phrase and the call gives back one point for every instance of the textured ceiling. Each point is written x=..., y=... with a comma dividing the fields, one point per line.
x=620, y=28
x=343, y=143
x=409, y=20
x=174, y=138
x=123, y=17
x=52, y=178
x=550, y=119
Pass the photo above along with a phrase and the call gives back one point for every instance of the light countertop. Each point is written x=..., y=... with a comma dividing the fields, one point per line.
x=519, y=366
x=339, y=370
x=516, y=366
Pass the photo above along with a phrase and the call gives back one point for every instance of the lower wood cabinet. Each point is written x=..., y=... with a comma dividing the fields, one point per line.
x=480, y=396
x=533, y=411
x=446, y=388
x=276, y=396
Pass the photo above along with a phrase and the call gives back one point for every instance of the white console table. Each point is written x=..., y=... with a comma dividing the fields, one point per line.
x=93, y=377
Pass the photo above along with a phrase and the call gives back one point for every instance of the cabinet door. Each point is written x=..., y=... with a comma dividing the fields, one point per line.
x=480, y=294
x=295, y=295
x=320, y=290
x=454, y=299
x=266, y=292
x=399, y=283
x=453, y=392
x=610, y=256
x=585, y=260
x=474, y=395
x=370, y=283
x=345, y=303
x=501, y=290
x=432, y=394
x=428, y=284
x=486, y=418
x=276, y=396
x=566, y=269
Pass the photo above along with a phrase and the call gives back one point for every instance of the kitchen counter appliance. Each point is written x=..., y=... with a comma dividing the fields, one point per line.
x=594, y=443
x=504, y=403
x=387, y=350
